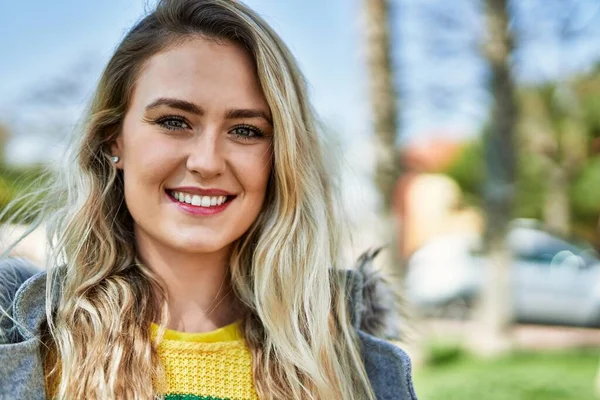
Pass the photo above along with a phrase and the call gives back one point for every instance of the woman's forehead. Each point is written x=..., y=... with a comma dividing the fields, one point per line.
x=201, y=71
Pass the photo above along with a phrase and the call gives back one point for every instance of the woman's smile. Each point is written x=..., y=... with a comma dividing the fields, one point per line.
x=200, y=201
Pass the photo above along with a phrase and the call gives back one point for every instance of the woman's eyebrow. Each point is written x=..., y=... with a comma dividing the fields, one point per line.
x=195, y=109
x=176, y=103
x=248, y=113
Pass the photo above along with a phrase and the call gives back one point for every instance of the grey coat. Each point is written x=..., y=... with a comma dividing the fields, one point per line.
x=22, y=293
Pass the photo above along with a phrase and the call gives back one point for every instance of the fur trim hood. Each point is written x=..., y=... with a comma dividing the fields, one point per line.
x=377, y=304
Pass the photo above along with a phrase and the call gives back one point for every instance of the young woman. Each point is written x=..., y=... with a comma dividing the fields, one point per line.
x=193, y=235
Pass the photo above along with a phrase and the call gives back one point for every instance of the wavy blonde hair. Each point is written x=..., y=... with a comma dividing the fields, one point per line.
x=296, y=324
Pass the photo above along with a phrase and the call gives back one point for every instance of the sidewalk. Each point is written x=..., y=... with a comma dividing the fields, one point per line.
x=526, y=337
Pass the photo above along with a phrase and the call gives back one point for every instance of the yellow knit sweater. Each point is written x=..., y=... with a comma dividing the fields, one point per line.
x=214, y=365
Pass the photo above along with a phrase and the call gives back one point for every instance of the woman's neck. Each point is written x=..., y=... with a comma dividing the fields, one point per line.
x=198, y=286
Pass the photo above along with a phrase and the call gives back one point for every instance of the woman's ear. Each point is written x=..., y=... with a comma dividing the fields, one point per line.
x=116, y=153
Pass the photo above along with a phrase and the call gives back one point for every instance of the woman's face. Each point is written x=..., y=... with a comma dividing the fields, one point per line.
x=195, y=147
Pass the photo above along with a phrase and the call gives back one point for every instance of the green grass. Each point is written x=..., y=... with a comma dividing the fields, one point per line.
x=451, y=374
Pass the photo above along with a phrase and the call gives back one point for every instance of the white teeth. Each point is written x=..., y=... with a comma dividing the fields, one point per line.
x=199, y=201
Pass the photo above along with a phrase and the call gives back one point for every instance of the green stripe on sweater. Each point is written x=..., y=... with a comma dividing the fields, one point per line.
x=183, y=396
x=178, y=396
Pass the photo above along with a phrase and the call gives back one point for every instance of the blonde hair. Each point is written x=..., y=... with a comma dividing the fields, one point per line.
x=296, y=324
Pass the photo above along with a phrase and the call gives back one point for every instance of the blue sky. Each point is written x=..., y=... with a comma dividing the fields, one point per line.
x=45, y=40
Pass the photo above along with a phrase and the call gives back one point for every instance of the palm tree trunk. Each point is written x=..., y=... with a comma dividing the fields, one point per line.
x=495, y=307
x=384, y=115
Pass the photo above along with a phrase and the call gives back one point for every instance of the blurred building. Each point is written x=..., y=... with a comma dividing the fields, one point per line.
x=428, y=203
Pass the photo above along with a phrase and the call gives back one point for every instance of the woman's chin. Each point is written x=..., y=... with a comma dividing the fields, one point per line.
x=201, y=247
x=200, y=244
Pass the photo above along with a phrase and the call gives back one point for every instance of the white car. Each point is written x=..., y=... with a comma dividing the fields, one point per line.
x=553, y=280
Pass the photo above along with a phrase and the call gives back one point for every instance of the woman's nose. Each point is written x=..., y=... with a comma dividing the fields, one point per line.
x=206, y=156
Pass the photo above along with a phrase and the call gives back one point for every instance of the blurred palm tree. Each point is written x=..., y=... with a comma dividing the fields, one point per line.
x=500, y=163
x=384, y=115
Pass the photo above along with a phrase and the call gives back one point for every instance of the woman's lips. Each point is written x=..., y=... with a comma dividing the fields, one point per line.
x=199, y=209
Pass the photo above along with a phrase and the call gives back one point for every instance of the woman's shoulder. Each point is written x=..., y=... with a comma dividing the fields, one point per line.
x=22, y=298
x=375, y=315
x=388, y=367
x=13, y=273
x=22, y=290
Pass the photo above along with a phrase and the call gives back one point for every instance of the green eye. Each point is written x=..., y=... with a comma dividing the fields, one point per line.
x=246, y=132
x=173, y=123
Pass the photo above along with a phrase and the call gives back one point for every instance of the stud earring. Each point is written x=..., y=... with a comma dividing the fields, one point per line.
x=115, y=159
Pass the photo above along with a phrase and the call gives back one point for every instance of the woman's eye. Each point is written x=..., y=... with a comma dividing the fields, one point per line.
x=173, y=123
x=246, y=132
